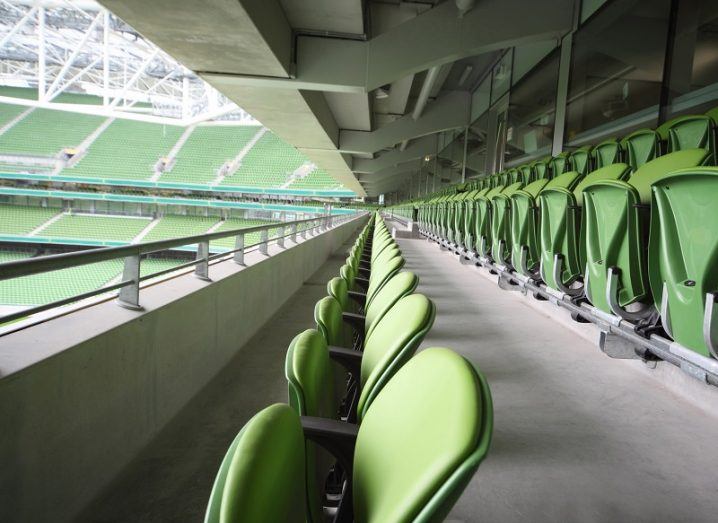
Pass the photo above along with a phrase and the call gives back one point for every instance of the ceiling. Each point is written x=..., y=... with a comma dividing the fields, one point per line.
x=361, y=87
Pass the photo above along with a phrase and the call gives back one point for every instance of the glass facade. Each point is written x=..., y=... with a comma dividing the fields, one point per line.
x=632, y=63
x=532, y=112
x=693, y=85
x=617, y=67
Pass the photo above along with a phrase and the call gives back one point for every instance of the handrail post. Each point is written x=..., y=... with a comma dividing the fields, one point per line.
x=293, y=232
x=239, y=246
x=264, y=242
x=129, y=296
x=304, y=230
x=280, y=237
x=201, y=270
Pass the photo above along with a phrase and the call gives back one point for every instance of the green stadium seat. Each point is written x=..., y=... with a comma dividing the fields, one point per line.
x=580, y=160
x=616, y=220
x=262, y=476
x=526, y=174
x=313, y=391
x=606, y=153
x=689, y=132
x=482, y=221
x=485, y=216
x=561, y=202
x=641, y=147
x=469, y=213
x=560, y=163
x=542, y=168
x=414, y=453
x=682, y=252
x=400, y=285
x=525, y=228
x=501, y=223
x=393, y=340
x=338, y=289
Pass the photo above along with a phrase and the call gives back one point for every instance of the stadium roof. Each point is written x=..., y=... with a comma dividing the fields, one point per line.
x=63, y=46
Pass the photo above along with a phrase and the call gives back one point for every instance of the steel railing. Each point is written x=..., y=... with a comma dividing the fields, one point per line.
x=129, y=285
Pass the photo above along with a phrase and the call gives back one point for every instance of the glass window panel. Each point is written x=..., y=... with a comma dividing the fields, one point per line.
x=694, y=68
x=532, y=112
x=481, y=98
x=476, y=147
x=617, y=68
x=501, y=77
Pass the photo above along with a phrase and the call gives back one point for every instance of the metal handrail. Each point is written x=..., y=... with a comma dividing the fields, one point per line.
x=129, y=285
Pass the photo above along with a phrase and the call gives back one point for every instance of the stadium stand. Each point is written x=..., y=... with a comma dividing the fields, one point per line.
x=268, y=164
x=65, y=283
x=96, y=227
x=21, y=220
x=176, y=226
x=143, y=144
x=57, y=129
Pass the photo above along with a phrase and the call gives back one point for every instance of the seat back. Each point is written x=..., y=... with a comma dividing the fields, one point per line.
x=689, y=132
x=526, y=174
x=559, y=163
x=606, y=153
x=524, y=227
x=683, y=256
x=641, y=147
x=392, y=342
x=262, y=475
x=380, y=274
x=337, y=288
x=348, y=275
x=581, y=161
x=615, y=229
x=422, y=440
x=400, y=285
x=559, y=229
x=328, y=316
x=314, y=390
x=481, y=226
x=501, y=223
x=542, y=168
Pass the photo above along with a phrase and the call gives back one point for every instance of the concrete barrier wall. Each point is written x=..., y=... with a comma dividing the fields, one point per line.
x=81, y=395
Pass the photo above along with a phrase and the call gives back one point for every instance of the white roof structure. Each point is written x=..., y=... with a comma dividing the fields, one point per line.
x=78, y=46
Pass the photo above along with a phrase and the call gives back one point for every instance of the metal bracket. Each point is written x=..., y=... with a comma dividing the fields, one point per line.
x=129, y=296
x=557, y=277
x=264, y=242
x=523, y=264
x=617, y=347
x=239, y=247
x=710, y=325
x=201, y=270
x=612, y=290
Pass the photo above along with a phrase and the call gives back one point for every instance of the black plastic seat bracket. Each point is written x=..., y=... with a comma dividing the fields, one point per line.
x=348, y=358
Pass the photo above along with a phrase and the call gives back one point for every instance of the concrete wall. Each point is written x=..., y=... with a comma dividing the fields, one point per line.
x=81, y=395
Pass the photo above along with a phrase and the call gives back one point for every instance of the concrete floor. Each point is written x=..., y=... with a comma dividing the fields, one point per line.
x=578, y=436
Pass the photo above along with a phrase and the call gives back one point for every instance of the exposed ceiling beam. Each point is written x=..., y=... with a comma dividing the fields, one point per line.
x=448, y=112
x=417, y=149
x=360, y=66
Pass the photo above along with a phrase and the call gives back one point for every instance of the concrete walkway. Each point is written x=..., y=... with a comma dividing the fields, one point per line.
x=578, y=436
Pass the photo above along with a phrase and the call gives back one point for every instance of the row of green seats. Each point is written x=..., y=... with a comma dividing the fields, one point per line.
x=371, y=432
x=635, y=236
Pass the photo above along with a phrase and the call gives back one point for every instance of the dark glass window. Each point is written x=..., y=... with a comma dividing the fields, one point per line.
x=501, y=76
x=617, y=68
x=476, y=147
x=694, y=67
x=532, y=112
